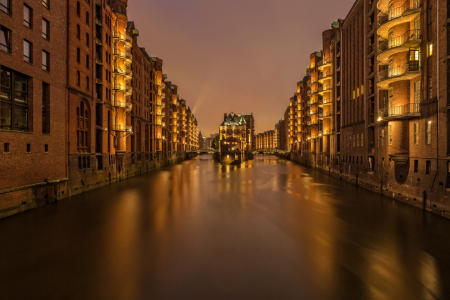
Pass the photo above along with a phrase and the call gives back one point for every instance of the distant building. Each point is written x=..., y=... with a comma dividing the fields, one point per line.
x=233, y=133
x=201, y=144
x=280, y=136
x=251, y=142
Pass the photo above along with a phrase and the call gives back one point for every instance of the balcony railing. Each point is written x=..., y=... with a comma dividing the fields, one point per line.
x=325, y=88
x=122, y=128
x=400, y=110
x=325, y=114
x=325, y=61
x=122, y=104
x=397, y=12
x=399, y=40
x=399, y=71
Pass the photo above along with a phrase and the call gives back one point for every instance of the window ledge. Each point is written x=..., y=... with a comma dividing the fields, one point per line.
x=16, y=131
x=30, y=63
x=8, y=14
x=3, y=51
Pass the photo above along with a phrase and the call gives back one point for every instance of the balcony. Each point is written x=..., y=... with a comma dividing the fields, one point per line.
x=122, y=128
x=128, y=41
x=407, y=111
x=118, y=53
x=325, y=76
x=326, y=101
x=405, y=72
x=326, y=114
x=119, y=87
x=402, y=43
x=122, y=104
x=325, y=89
x=395, y=16
x=326, y=62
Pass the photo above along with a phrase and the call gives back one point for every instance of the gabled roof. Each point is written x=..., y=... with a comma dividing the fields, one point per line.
x=233, y=120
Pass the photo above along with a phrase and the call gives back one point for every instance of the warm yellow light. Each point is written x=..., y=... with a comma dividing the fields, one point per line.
x=379, y=119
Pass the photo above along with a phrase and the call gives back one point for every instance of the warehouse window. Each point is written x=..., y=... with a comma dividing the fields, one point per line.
x=14, y=100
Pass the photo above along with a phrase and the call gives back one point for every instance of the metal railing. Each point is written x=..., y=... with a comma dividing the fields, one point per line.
x=325, y=61
x=399, y=110
x=399, y=40
x=398, y=12
x=122, y=128
x=121, y=104
x=399, y=71
x=325, y=88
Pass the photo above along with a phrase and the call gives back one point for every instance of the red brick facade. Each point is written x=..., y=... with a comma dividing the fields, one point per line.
x=99, y=112
x=33, y=153
x=389, y=120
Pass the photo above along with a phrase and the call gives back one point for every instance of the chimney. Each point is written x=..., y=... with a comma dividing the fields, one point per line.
x=225, y=116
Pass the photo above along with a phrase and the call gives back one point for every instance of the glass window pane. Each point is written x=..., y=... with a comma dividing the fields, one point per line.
x=26, y=51
x=45, y=28
x=21, y=82
x=5, y=116
x=4, y=39
x=5, y=78
x=20, y=118
x=4, y=5
x=20, y=97
x=26, y=16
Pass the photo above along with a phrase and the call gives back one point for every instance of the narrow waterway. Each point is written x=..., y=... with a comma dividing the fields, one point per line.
x=268, y=229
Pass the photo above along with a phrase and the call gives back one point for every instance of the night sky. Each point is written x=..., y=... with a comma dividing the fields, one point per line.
x=244, y=56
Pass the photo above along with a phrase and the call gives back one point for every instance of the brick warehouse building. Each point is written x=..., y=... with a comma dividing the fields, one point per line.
x=388, y=84
x=33, y=104
x=87, y=122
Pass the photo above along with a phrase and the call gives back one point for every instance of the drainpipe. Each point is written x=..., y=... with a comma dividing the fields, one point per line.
x=437, y=95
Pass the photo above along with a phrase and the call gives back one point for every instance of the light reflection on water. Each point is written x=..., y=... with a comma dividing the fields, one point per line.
x=267, y=229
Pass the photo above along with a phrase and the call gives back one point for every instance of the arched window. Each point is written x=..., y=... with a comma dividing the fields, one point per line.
x=138, y=136
x=147, y=145
x=87, y=61
x=78, y=8
x=78, y=55
x=120, y=10
x=83, y=127
x=87, y=39
x=87, y=18
x=78, y=78
x=78, y=31
x=87, y=83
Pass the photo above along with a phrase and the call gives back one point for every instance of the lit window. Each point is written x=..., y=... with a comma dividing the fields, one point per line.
x=46, y=4
x=416, y=133
x=430, y=49
x=390, y=134
x=428, y=132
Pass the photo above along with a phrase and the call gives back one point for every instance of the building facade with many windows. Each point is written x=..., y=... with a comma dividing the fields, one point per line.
x=33, y=158
x=81, y=103
x=376, y=99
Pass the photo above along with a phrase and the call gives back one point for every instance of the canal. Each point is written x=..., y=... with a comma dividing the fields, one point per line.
x=268, y=229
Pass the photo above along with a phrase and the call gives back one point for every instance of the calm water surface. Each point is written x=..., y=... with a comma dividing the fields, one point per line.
x=269, y=229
